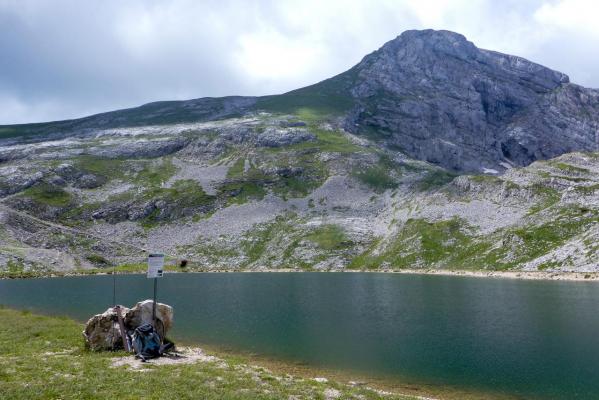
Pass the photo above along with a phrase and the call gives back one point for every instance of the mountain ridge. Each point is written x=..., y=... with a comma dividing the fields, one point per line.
x=431, y=94
x=403, y=161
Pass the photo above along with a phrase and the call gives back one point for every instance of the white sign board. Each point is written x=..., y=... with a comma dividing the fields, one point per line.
x=155, y=265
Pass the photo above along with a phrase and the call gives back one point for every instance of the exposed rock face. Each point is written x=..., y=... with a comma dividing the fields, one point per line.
x=273, y=137
x=439, y=98
x=431, y=94
x=223, y=184
x=102, y=331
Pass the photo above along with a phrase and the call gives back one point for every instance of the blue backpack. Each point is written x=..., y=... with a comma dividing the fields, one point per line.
x=146, y=342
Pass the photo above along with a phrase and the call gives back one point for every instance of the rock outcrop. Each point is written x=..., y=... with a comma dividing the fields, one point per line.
x=103, y=332
x=438, y=98
x=334, y=175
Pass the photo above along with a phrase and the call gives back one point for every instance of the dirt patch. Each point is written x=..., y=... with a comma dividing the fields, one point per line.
x=184, y=355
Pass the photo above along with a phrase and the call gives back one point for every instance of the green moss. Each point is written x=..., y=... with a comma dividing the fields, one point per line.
x=294, y=186
x=548, y=265
x=330, y=237
x=451, y=244
x=184, y=192
x=435, y=242
x=14, y=267
x=49, y=195
x=326, y=141
x=313, y=174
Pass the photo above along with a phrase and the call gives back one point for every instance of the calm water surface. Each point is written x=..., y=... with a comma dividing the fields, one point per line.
x=530, y=339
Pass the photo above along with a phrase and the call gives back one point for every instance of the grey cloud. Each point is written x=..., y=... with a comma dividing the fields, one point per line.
x=68, y=58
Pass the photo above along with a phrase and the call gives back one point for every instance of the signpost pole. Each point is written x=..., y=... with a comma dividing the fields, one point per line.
x=155, y=269
x=154, y=303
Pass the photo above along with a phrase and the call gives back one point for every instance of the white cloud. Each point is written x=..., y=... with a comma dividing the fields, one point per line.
x=574, y=15
x=65, y=58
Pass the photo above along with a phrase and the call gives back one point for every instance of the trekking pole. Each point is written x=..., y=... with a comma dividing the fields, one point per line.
x=122, y=327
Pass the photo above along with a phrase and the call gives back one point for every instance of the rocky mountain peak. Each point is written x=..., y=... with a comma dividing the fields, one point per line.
x=436, y=96
x=414, y=43
x=432, y=95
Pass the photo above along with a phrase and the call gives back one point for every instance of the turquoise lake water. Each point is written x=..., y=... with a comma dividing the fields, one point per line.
x=528, y=339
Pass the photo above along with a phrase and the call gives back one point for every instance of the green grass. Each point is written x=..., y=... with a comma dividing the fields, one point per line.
x=106, y=167
x=240, y=192
x=435, y=179
x=49, y=195
x=540, y=239
x=569, y=168
x=97, y=259
x=452, y=244
x=313, y=174
x=243, y=186
x=546, y=197
x=424, y=244
x=44, y=358
x=145, y=173
x=377, y=177
x=237, y=169
x=184, y=193
x=155, y=174
x=330, y=237
x=256, y=241
x=587, y=190
x=322, y=100
x=283, y=235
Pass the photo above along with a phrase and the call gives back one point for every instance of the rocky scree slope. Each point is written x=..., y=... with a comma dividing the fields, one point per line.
x=430, y=153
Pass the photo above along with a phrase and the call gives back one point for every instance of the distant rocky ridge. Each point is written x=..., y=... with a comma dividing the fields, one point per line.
x=438, y=98
x=430, y=153
x=431, y=94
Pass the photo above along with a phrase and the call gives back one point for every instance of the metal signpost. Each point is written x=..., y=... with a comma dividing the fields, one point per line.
x=155, y=268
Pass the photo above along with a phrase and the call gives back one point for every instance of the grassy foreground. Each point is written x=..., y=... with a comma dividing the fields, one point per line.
x=44, y=358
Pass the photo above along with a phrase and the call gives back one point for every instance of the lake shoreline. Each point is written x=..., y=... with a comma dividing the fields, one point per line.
x=383, y=386
x=514, y=274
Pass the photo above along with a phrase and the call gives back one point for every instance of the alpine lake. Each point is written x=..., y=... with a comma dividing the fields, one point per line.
x=509, y=338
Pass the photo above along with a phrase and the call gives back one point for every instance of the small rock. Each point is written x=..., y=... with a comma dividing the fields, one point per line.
x=330, y=394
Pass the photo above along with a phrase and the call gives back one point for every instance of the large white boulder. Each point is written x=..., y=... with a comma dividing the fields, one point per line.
x=141, y=313
x=102, y=331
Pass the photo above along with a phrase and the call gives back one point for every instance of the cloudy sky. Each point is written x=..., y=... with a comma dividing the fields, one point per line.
x=69, y=58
